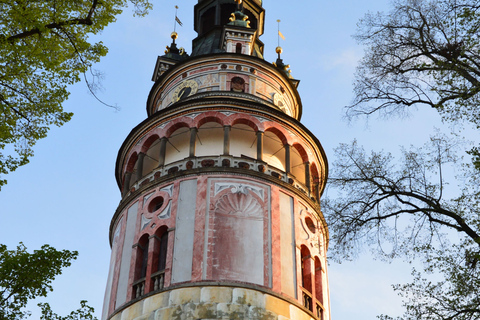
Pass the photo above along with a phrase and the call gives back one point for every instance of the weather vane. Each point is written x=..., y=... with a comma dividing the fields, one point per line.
x=280, y=35
x=176, y=20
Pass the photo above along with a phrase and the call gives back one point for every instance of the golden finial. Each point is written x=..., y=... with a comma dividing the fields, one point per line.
x=174, y=35
x=279, y=50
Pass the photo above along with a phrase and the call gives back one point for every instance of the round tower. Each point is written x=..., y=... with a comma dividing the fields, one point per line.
x=221, y=183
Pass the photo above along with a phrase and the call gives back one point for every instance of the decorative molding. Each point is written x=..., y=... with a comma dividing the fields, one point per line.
x=148, y=196
x=239, y=204
x=166, y=212
x=239, y=188
x=145, y=222
x=168, y=189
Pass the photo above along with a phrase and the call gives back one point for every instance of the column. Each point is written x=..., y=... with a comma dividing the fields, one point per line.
x=163, y=150
x=226, y=140
x=126, y=183
x=307, y=176
x=287, y=158
x=193, y=139
x=260, y=145
x=141, y=156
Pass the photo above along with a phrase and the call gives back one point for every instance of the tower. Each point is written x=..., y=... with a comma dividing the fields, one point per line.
x=220, y=215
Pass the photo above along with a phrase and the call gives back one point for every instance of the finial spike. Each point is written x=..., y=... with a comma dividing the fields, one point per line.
x=177, y=20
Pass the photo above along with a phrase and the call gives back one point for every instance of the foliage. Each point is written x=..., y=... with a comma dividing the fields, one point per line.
x=44, y=47
x=407, y=209
x=84, y=313
x=25, y=276
x=421, y=53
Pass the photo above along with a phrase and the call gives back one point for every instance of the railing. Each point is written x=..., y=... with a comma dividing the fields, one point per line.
x=158, y=279
x=139, y=288
x=319, y=310
x=221, y=161
x=307, y=299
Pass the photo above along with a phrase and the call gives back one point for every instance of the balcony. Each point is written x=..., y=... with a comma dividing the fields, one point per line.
x=245, y=163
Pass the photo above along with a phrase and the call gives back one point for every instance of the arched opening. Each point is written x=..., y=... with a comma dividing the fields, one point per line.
x=243, y=141
x=141, y=264
x=178, y=145
x=152, y=154
x=209, y=140
x=315, y=181
x=159, y=258
x=237, y=84
x=318, y=281
x=306, y=278
x=297, y=162
x=131, y=170
x=273, y=150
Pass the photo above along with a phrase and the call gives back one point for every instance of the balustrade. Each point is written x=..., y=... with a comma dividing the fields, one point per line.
x=220, y=161
x=307, y=299
x=158, y=279
x=139, y=288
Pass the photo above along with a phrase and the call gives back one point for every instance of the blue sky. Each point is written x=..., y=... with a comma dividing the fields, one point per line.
x=67, y=195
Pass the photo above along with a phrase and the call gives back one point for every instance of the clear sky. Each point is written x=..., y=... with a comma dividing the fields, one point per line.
x=67, y=195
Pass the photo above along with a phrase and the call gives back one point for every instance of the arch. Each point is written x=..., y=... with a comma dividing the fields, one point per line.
x=148, y=142
x=159, y=258
x=306, y=268
x=245, y=121
x=237, y=84
x=141, y=262
x=208, y=118
x=131, y=162
x=318, y=281
x=174, y=127
x=301, y=151
x=315, y=177
x=162, y=235
x=278, y=133
x=131, y=168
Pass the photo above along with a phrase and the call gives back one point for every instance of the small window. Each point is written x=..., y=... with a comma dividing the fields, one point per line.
x=310, y=224
x=155, y=204
x=238, y=48
x=237, y=84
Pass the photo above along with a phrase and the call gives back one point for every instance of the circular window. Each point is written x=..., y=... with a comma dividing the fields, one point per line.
x=310, y=224
x=155, y=204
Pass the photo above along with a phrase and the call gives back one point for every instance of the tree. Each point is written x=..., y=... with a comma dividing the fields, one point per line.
x=25, y=276
x=424, y=205
x=406, y=208
x=421, y=53
x=44, y=47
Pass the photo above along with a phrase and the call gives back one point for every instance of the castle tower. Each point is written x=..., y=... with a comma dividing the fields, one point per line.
x=221, y=183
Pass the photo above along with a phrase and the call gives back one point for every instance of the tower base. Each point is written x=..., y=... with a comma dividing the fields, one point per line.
x=207, y=301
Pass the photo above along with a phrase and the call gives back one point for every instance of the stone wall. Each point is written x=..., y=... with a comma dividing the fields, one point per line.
x=212, y=302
